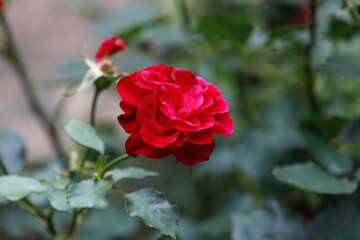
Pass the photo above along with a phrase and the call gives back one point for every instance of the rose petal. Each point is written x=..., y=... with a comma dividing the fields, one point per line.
x=109, y=47
x=135, y=145
x=201, y=137
x=223, y=124
x=184, y=79
x=130, y=92
x=189, y=154
x=152, y=131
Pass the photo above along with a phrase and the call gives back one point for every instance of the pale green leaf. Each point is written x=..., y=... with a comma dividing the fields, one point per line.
x=131, y=172
x=85, y=135
x=14, y=187
x=155, y=210
x=58, y=200
x=311, y=177
x=87, y=193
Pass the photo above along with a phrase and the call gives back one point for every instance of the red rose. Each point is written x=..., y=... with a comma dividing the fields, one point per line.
x=1, y=5
x=109, y=47
x=169, y=110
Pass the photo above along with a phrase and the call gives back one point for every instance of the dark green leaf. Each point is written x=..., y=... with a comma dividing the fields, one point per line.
x=153, y=207
x=87, y=193
x=85, y=135
x=14, y=187
x=311, y=177
x=331, y=159
x=131, y=172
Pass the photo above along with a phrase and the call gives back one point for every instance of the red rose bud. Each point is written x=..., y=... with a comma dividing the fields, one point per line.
x=169, y=110
x=304, y=15
x=1, y=5
x=109, y=47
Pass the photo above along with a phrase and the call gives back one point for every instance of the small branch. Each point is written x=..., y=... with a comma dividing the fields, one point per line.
x=13, y=56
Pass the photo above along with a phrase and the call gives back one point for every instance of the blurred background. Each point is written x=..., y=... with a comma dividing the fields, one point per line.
x=278, y=66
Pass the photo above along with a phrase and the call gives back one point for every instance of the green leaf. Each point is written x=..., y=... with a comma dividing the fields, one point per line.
x=132, y=172
x=155, y=210
x=58, y=199
x=14, y=187
x=58, y=194
x=311, y=177
x=85, y=135
x=87, y=193
x=346, y=67
x=59, y=182
x=335, y=162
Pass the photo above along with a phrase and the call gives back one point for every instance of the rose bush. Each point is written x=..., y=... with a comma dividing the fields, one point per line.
x=169, y=110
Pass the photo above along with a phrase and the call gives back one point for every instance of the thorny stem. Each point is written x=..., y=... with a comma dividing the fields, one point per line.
x=309, y=72
x=13, y=56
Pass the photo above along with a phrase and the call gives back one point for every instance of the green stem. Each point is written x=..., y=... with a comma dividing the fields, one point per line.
x=354, y=14
x=309, y=72
x=93, y=107
x=92, y=122
x=112, y=163
x=13, y=56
